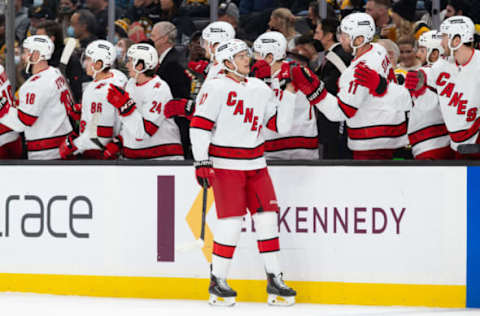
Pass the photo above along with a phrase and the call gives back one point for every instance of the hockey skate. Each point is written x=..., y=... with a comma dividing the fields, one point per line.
x=221, y=294
x=279, y=294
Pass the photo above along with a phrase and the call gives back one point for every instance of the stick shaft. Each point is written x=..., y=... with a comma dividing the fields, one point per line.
x=204, y=212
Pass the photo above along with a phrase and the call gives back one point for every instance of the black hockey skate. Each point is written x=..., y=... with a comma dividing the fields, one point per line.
x=278, y=292
x=221, y=294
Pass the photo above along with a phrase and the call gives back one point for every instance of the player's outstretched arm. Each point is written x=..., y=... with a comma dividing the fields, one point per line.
x=179, y=107
x=370, y=79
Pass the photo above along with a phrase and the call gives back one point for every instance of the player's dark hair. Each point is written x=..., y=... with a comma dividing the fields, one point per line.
x=330, y=25
x=54, y=29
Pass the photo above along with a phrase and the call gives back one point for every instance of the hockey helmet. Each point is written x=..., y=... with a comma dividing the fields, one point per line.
x=41, y=43
x=228, y=50
x=461, y=26
x=358, y=24
x=145, y=53
x=271, y=43
x=218, y=32
x=431, y=40
x=101, y=50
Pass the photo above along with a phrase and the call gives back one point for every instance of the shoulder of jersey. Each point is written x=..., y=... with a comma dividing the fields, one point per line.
x=257, y=82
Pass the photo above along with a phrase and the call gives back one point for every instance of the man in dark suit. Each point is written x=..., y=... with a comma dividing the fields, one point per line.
x=332, y=135
x=170, y=69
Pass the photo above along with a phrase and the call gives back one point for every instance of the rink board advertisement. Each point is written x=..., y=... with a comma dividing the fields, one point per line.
x=348, y=235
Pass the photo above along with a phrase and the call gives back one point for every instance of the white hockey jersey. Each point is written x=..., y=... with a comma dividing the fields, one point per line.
x=301, y=141
x=41, y=114
x=99, y=121
x=7, y=135
x=458, y=93
x=214, y=69
x=372, y=122
x=147, y=133
x=229, y=118
x=426, y=127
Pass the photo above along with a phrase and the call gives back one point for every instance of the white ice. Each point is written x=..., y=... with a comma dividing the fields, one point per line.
x=16, y=304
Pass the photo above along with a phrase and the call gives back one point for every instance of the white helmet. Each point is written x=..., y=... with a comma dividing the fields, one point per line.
x=358, y=24
x=431, y=40
x=41, y=43
x=217, y=32
x=145, y=53
x=271, y=43
x=461, y=26
x=101, y=50
x=228, y=50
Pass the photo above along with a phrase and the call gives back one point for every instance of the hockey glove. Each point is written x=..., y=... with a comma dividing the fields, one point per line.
x=200, y=67
x=285, y=75
x=179, y=107
x=112, y=150
x=261, y=70
x=416, y=83
x=120, y=99
x=4, y=106
x=304, y=80
x=67, y=148
x=369, y=78
x=204, y=172
x=74, y=111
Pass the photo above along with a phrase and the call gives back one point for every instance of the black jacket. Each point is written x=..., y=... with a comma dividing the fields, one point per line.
x=74, y=71
x=174, y=74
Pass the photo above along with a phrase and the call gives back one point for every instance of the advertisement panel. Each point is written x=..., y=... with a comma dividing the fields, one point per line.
x=338, y=225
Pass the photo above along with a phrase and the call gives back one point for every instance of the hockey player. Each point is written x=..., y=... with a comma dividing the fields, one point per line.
x=146, y=133
x=376, y=120
x=41, y=113
x=301, y=141
x=99, y=121
x=427, y=132
x=11, y=146
x=212, y=35
x=227, y=144
x=455, y=82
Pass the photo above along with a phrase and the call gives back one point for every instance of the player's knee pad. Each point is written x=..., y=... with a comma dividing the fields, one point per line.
x=227, y=230
x=266, y=224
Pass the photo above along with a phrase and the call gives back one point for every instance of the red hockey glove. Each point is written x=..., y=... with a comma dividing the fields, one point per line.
x=261, y=70
x=204, y=172
x=369, y=78
x=120, y=99
x=179, y=107
x=285, y=74
x=416, y=82
x=67, y=148
x=74, y=111
x=4, y=106
x=305, y=80
x=112, y=150
x=200, y=67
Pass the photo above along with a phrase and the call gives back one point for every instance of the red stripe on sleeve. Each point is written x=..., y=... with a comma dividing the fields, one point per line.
x=269, y=245
x=463, y=135
x=272, y=123
x=224, y=251
x=105, y=131
x=150, y=128
x=427, y=133
x=26, y=119
x=348, y=110
x=202, y=123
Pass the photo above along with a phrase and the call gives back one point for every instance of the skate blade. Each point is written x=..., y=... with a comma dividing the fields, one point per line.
x=276, y=300
x=221, y=301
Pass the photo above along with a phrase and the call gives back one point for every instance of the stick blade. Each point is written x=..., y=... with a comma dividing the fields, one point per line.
x=197, y=244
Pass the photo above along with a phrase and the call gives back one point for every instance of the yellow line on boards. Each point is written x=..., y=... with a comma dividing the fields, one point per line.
x=248, y=290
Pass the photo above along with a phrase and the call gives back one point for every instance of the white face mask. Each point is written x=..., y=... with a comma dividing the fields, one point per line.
x=37, y=3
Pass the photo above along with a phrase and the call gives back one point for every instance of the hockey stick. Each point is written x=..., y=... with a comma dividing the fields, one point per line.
x=469, y=149
x=200, y=241
x=64, y=58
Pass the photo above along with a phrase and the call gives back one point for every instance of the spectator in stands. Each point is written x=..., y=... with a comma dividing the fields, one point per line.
x=197, y=8
x=403, y=16
x=64, y=13
x=250, y=6
x=83, y=23
x=74, y=71
x=144, y=10
x=408, y=54
x=282, y=20
x=173, y=13
x=393, y=53
x=228, y=12
x=378, y=10
x=332, y=135
x=100, y=9
x=21, y=21
x=170, y=69
x=121, y=48
x=305, y=45
x=38, y=15
x=457, y=7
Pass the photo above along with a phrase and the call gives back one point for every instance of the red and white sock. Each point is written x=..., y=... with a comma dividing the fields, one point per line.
x=227, y=234
x=266, y=226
